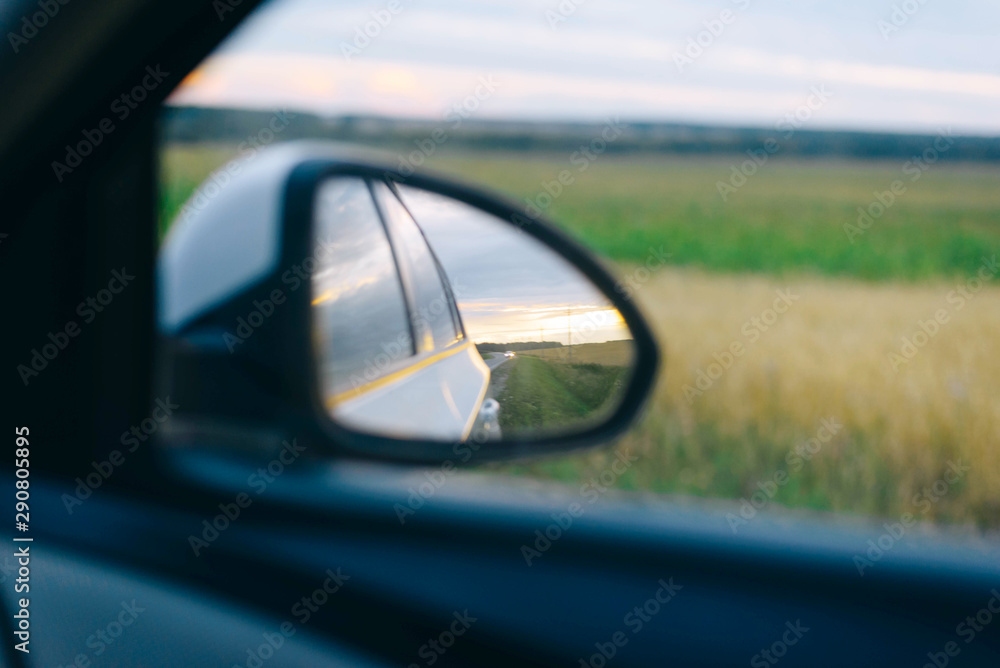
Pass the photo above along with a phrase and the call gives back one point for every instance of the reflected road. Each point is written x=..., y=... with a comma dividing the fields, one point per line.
x=494, y=360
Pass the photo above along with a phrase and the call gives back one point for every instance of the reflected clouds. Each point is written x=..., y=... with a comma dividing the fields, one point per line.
x=510, y=287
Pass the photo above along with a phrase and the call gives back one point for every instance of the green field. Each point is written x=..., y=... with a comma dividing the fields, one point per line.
x=788, y=217
x=825, y=359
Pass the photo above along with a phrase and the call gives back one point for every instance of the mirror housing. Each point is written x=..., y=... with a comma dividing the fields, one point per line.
x=235, y=309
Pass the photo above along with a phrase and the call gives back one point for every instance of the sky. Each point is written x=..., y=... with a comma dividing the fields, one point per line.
x=509, y=286
x=723, y=62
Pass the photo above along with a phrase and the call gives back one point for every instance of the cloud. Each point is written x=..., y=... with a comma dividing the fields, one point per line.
x=937, y=71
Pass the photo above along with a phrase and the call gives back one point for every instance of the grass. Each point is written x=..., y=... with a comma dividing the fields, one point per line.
x=788, y=218
x=618, y=353
x=544, y=395
x=827, y=357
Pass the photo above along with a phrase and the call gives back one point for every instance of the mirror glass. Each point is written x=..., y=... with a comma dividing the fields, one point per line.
x=434, y=320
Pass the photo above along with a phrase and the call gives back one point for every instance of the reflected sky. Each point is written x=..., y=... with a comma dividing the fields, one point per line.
x=510, y=287
x=354, y=283
x=938, y=67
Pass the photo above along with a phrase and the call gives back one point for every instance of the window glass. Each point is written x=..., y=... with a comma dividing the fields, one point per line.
x=804, y=205
x=360, y=314
x=434, y=323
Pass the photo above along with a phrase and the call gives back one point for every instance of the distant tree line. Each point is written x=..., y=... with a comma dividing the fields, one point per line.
x=514, y=347
x=196, y=124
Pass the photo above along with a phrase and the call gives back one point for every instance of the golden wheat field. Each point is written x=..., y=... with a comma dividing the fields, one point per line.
x=826, y=357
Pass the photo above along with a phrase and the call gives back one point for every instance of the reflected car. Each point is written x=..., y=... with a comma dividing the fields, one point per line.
x=394, y=352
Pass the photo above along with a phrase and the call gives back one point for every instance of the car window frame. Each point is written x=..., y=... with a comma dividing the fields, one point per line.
x=456, y=314
x=416, y=355
x=409, y=359
x=452, y=299
x=408, y=280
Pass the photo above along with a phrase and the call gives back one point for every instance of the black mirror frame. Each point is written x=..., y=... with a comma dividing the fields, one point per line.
x=272, y=377
x=297, y=231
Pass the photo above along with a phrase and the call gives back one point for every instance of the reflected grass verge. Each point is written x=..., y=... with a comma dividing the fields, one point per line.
x=542, y=395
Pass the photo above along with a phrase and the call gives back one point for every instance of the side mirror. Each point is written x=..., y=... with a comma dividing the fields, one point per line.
x=405, y=316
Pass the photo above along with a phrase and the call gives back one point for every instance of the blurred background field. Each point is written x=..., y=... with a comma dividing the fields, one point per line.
x=827, y=357
x=788, y=217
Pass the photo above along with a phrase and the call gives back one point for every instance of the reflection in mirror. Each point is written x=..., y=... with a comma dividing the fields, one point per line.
x=434, y=320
